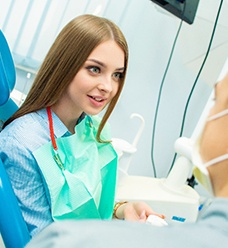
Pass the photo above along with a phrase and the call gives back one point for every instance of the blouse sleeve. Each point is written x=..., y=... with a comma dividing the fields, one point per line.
x=27, y=183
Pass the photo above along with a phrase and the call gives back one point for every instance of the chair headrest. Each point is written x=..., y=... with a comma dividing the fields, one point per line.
x=7, y=70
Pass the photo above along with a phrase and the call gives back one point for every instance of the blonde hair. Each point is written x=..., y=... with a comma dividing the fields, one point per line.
x=66, y=56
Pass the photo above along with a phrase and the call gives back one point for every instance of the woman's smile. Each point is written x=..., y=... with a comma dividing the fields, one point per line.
x=98, y=101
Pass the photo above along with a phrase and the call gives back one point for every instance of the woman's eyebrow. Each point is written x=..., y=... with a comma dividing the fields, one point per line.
x=103, y=65
x=120, y=69
x=97, y=61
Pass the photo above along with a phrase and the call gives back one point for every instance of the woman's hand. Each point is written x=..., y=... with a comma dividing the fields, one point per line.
x=135, y=211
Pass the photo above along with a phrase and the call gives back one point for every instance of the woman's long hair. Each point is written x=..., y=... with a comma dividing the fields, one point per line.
x=66, y=56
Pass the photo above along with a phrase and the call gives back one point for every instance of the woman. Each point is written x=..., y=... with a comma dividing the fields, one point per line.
x=58, y=156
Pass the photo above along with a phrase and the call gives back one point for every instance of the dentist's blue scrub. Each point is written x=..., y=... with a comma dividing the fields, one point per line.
x=211, y=230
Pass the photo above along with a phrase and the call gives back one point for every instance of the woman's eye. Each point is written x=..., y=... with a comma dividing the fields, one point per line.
x=118, y=75
x=94, y=69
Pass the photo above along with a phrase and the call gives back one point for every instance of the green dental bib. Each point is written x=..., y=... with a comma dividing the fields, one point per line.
x=85, y=188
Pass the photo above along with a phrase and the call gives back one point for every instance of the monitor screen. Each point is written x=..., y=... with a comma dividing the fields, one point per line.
x=183, y=9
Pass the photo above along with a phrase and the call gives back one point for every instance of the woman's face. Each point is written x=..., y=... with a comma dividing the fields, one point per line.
x=97, y=81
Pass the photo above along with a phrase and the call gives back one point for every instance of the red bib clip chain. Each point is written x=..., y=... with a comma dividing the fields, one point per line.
x=53, y=141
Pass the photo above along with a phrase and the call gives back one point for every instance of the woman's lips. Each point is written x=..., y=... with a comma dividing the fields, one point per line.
x=97, y=101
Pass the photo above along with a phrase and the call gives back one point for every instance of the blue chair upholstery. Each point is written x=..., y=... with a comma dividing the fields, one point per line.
x=7, y=70
x=7, y=80
x=13, y=229
x=12, y=225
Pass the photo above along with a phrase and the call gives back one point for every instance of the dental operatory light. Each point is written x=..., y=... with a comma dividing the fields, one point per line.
x=183, y=9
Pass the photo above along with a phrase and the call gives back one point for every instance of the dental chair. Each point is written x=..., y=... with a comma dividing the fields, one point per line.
x=13, y=228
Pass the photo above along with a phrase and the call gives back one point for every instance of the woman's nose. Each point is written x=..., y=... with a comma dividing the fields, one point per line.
x=105, y=84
